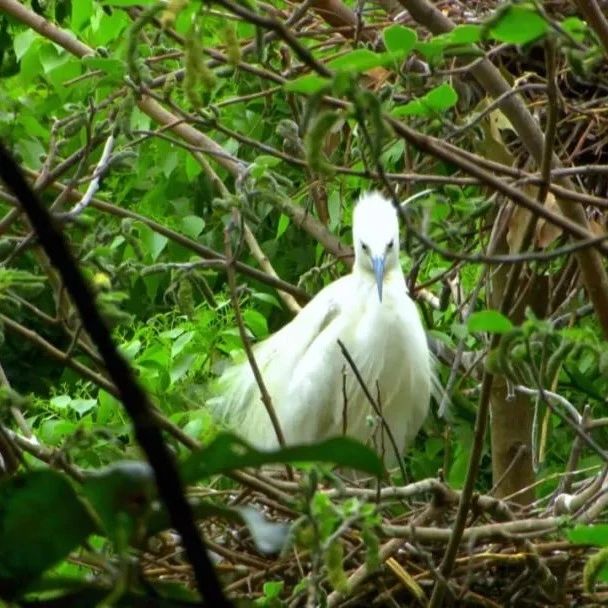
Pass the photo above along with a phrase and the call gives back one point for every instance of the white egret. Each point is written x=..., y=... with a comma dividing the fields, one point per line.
x=313, y=388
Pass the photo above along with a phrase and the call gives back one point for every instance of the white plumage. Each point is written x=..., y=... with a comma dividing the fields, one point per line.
x=307, y=375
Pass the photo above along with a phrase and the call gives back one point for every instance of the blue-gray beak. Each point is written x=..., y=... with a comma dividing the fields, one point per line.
x=378, y=266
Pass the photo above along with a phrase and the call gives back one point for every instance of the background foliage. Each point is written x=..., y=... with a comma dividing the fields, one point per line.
x=152, y=131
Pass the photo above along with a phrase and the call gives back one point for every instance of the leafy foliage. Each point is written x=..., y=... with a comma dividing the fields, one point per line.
x=183, y=119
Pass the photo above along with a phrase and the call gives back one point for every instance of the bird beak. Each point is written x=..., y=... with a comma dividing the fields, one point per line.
x=378, y=266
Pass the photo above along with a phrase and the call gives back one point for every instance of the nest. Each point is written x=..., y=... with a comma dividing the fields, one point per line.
x=510, y=555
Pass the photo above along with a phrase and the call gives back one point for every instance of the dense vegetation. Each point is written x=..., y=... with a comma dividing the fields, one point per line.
x=201, y=158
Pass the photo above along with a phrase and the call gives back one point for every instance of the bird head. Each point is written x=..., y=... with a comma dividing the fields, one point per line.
x=375, y=236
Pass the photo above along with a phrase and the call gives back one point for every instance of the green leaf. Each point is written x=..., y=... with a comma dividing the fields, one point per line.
x=307, y=85
x=518, y=24
x=33, y=127
x=461, y=34
x=256, y=322
x=130, y=349
x=489, y=320
x=82, y=406
x=181, y=366
x=112, y=67
x=399, y=39
x=181, y=342
x=437, y=100
x=51, y=58
x=107, y=28
x=262, y=163
x=266, y=160
x=441, y=98
x=458, y=468
x=82, y=12
x=272, y=591
x=23, y=42
x=358, y=60
x=192, y=225
x=267, y=298
x=228, y=452
x=61, y=402
x=282, y=225
x=576, y=27
x=41, y=521
x=596, y=534
x=193, y=167
x=153, y=243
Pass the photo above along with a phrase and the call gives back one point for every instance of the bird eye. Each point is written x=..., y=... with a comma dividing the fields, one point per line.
x=365, y=247
x=390, y=244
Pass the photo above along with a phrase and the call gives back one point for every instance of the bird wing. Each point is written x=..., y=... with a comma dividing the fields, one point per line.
x=237, y=401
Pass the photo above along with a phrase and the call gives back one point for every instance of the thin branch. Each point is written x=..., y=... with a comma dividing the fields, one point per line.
x=375, y=407
x=93, y=186
x=266, y=400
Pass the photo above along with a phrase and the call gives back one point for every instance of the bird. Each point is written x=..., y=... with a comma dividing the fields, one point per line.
x=314, y=389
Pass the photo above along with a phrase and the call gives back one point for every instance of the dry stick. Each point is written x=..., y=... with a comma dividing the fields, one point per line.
x=246, y=345
x=93, y=186
x=375, y=407
x=577, y=427
x=438, y=149
x=494, y=531
x=52, y=456
x=43, y=180
x=266, y=266
x=566, y=481
x=252, y=243
x=362, y=572
x=593, y=274
x=133, y=397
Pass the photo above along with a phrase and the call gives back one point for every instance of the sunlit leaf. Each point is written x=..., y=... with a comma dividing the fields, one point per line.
x=437, y=100
x=307, y=85
x=518, y=24
x=467, y=33
x=592, y=534
x=489, y=320
x=358, y=60
x=399, y=39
